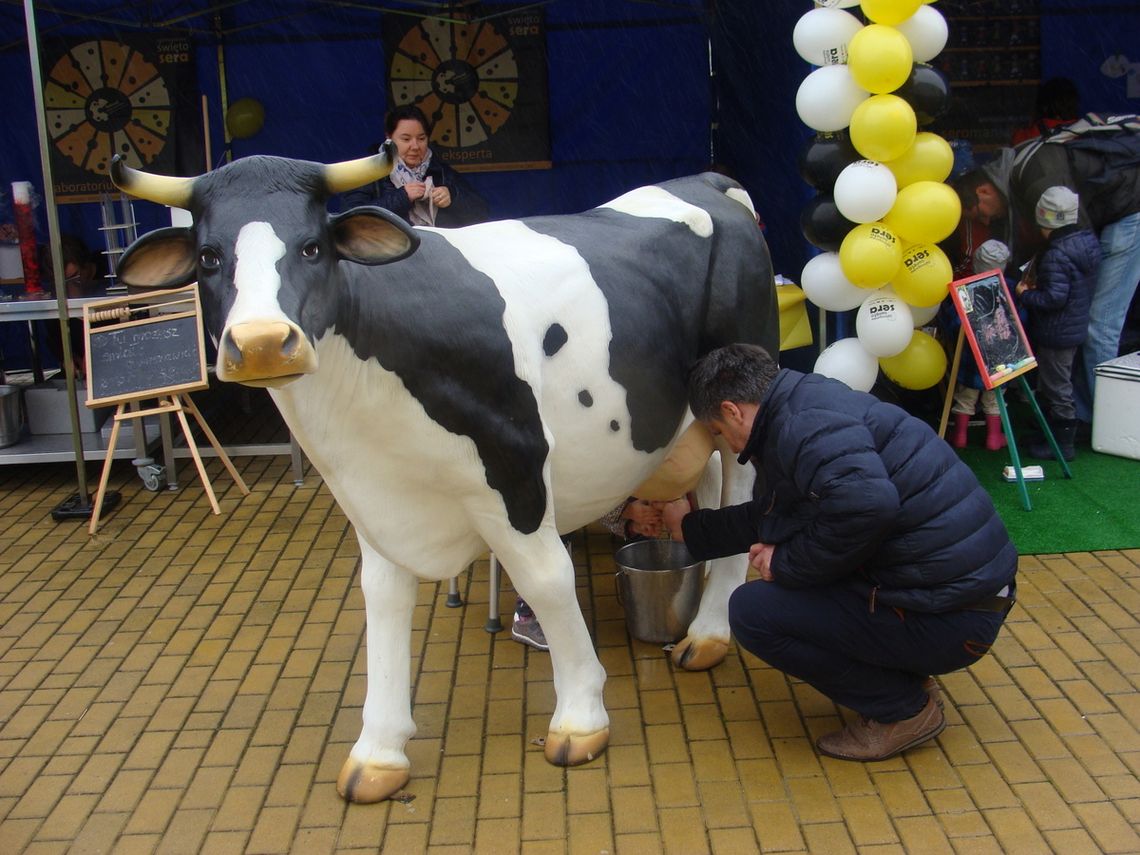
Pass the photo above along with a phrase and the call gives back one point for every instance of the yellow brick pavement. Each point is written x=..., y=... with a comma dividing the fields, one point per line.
x=184, y=682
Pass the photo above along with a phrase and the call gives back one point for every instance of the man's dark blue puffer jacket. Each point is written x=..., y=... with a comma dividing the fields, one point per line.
x=856, y=491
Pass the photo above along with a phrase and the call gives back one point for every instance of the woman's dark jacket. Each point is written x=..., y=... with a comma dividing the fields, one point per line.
x=856, y=491
x=466, y=206
x=1066, y=275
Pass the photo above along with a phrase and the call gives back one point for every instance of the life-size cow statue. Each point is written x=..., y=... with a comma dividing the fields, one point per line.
x=488, y=386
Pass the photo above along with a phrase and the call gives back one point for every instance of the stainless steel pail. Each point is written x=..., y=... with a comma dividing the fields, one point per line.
x=659, y=586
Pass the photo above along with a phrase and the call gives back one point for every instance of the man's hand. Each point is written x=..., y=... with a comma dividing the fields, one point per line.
x=760, y=557
x=672, y=514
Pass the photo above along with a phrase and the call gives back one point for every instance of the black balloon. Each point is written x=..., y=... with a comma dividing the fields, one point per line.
x=823, y=158
x=927, y=90
x=823, y=225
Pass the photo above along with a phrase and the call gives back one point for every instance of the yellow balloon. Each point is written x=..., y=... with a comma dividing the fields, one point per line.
x=924, y=275
x=870, y=255
x=883, y=127
x=879, y=58
x=930, y=158
x=244, y=118
x=925, y=212
x=921, y=364
x=889, y=12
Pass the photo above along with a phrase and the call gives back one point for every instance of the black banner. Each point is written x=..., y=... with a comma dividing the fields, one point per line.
x=481, y=83
x=130, y=95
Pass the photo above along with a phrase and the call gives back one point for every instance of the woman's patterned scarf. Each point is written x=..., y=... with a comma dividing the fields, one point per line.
x=422, y=212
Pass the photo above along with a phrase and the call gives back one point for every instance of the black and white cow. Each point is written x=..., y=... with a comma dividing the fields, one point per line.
x=490, y=386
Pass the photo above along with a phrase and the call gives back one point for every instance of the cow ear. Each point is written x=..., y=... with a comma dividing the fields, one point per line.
x=372, y=235
x=164, y=258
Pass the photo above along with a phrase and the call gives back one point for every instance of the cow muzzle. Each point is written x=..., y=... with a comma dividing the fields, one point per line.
x=264, y=353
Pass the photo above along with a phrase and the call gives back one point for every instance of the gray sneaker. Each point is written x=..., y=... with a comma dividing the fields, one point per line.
x=527, y=630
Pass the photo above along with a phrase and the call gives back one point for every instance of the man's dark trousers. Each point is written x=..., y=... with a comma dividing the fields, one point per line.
x=872, y=659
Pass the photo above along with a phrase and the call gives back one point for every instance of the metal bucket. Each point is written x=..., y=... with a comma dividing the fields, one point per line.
x=9, y=415
x=659, y=586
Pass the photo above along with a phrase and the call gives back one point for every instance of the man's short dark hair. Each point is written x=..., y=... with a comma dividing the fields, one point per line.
x=740, y=373
x=967, y=186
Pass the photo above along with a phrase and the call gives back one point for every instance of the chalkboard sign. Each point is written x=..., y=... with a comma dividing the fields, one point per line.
x=145, y=346
x=992, y=327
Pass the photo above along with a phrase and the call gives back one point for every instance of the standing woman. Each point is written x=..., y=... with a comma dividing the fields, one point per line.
x=421, y=188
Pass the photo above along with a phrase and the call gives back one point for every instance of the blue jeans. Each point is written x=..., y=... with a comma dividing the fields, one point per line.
x=873, y=662
x=1115, y=284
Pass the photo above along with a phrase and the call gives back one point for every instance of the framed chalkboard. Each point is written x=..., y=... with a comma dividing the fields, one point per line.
x=992, y=327
x=144, y=346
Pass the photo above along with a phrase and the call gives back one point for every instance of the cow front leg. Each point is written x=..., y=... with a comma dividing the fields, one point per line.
x=377, y=766
x=705, y=645
x=543, y=574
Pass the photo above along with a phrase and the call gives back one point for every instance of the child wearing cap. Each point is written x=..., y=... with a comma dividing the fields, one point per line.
x=1057, y=298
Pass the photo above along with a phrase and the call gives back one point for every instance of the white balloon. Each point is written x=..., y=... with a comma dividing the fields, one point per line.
x=848, y=361
x=884, y=325
x=825, y=285
x=827, y=98
x=922, y=315
x=837, y=4
x=821, y=35
x=926, y=31
x=864, y=191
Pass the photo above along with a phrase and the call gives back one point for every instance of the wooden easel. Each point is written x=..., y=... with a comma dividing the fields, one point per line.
x=150, y=346
x=995, y=377
x=178, y=404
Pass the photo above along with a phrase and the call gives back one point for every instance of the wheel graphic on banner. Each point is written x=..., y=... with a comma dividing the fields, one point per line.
x=462, y=75
x=104, y=98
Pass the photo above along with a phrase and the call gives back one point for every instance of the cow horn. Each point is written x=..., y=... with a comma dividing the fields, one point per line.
x=164, y=189
x=350, y=174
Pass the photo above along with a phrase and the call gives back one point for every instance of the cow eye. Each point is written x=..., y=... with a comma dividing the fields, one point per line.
x=209, y=259
x=310, y=250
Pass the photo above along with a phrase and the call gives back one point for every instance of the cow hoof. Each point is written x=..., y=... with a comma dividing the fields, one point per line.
x=563, y=749
x=699, y=654
x=366, y=783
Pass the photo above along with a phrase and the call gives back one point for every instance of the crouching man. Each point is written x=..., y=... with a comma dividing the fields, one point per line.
x=881, y=558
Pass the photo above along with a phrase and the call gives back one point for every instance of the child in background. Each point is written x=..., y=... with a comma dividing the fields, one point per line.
x=1057, y=299
x=969, y=388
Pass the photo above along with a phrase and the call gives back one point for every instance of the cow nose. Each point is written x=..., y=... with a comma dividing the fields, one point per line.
x=265, y=351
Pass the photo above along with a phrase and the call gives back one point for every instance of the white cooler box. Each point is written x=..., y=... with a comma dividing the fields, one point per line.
x=1116, y=407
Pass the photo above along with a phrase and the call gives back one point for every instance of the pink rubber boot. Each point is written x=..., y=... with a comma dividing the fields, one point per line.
x=995, y=438
x=961, y=424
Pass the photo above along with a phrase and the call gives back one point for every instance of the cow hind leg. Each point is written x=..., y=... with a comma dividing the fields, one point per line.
x=377, y=767
x=543, y=574
x=705, y=645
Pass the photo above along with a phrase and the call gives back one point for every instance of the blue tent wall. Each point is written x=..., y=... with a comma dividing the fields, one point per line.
x=629, y=100
x=1078, y=37
x=630, y=97
x=759, y=134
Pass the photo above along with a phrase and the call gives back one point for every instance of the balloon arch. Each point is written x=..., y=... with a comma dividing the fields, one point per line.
x=882, y=204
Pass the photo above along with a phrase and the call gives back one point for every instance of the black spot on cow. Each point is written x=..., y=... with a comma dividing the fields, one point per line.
x=438, y=324
x=672, y=295
x=585, y=398
x=614, y=426
x=554, y=339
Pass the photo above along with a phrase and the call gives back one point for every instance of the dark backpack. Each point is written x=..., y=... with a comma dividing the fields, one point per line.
x=1115, y=139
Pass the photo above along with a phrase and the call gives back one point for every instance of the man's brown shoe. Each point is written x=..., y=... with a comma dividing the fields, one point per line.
x=868, y=740
x=931, y=687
